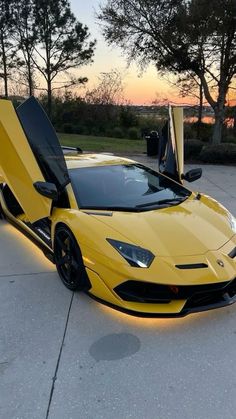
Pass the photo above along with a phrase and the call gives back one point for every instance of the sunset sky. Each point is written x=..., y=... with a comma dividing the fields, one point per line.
x=139, y=88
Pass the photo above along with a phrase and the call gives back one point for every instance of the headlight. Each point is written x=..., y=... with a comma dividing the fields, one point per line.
x=233, y=223
x=135, y=256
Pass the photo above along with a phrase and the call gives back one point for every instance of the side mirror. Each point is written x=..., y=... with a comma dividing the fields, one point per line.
x=47, y=189
x=192, y=175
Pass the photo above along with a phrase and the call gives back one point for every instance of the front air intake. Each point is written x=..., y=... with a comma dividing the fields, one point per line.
x=147, y=292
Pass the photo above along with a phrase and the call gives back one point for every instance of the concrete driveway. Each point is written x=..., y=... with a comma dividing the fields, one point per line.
x=65, y=356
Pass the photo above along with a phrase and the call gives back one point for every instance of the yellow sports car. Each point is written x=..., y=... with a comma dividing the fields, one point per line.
x=133, y=238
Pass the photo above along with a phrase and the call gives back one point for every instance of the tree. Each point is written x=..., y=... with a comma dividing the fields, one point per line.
x=25, y=35
x=191, y=85
x=8, y=57
x=109, y=90
x=188, y=85
x=179, y=36
x=63, y=44
x=105, y=98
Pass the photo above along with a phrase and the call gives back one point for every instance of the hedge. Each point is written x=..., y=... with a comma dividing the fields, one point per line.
x=192, y=149
x=117, y=132
x=133, y=133
x=221, y=153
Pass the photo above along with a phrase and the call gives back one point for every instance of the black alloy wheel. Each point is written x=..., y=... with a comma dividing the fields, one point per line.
x=68, y=259
x=1, y=213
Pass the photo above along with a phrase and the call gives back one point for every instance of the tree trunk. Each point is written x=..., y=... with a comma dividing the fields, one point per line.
x=30, y=81
x=218, y=127
x=219, y=110
x=5, y=75
x=234, y=116
x=5, y=81
x=49, y=88
x=29, y=71
x=218, y=106
x=199, y=122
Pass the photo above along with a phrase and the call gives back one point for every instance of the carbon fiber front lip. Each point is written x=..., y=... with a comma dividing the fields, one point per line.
x=226, y=301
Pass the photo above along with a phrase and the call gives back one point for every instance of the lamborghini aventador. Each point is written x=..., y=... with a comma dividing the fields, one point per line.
x=131, y=237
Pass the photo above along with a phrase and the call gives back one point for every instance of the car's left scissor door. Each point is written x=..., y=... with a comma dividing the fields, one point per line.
x=18, y=166
x=24, y=158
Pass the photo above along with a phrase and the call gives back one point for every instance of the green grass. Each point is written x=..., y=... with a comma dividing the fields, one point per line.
x=91, y=143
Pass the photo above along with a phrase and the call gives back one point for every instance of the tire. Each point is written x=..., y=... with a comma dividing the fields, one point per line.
x=1, y=213
x=68, y=260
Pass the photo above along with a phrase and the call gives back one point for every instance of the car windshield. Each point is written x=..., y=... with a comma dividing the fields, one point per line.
x=130, y=187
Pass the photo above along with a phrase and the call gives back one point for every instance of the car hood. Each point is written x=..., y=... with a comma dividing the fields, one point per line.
x=191, y=228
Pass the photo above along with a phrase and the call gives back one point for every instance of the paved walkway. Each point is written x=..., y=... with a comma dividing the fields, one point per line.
x=64, y=356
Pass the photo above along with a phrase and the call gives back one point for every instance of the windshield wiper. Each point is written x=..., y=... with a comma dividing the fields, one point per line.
x=136, y=208
x=110, y=208
x=171, y=201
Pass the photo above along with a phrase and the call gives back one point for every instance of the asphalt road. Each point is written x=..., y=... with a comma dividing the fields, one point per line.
x=65, y=356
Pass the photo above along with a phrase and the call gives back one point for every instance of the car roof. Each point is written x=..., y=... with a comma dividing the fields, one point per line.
x=91, y=160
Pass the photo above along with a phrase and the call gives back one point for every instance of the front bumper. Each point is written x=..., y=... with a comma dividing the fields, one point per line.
x=197, y=283
x=198, y=302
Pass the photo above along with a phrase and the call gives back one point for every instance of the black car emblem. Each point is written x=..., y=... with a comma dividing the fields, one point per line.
x=220, y=262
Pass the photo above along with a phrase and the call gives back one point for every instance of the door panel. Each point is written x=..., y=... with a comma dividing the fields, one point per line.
x=179, y=139
x=171, y=149
x=18, y=165
x=44, y=142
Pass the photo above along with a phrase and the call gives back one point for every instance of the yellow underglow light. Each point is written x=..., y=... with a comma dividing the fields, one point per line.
x=29, y=247
x=152, y=323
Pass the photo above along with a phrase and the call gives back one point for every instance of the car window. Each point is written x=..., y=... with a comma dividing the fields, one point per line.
x=131, y=187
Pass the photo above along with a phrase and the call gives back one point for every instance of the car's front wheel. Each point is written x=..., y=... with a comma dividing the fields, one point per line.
x=69, y=261
x=1, y=212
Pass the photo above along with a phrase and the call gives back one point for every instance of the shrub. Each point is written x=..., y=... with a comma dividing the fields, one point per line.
x=229, y=139
x=78, y=129
x=68, y=128
x=133, y=133
x=192, y=149
x=117, y=132
x=205, y=131
x=127, y=117
x=108, y=132
x=191, y=131
x=220, y=153
x=150, y=123
x=95, y=131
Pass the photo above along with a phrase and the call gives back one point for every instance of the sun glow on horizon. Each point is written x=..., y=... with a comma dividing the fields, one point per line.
x=140, y=89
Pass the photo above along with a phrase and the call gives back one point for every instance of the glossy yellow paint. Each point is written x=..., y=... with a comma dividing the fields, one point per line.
x=18, y=167
x=101, y=291
x=178, y=116
x=196, y=231
x=73, y=202
x=169, y=233
x=177, y=137
x=178, y=230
